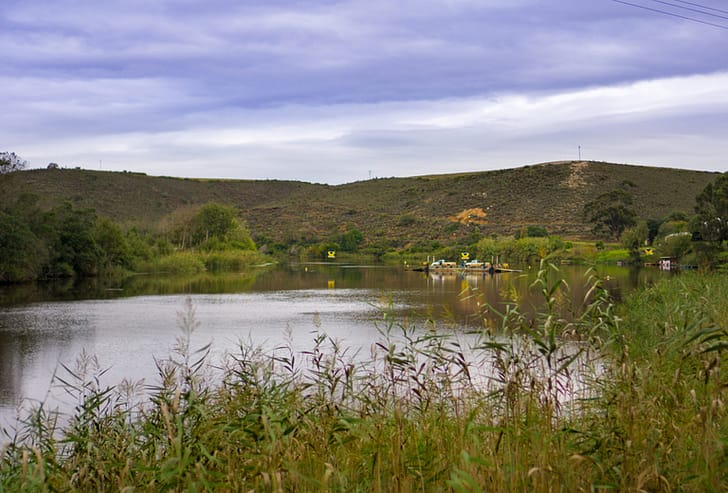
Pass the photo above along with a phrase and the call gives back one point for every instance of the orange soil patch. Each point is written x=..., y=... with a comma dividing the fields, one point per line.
x=471, y=216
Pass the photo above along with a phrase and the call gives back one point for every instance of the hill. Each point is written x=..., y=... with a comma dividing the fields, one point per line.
x=397, y=212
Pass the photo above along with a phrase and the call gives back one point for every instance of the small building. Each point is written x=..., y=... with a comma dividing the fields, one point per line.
x=668, y=263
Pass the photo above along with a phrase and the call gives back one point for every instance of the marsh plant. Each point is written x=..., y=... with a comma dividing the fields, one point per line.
x=576, y=398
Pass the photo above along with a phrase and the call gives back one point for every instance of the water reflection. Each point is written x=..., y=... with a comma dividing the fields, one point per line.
x=32, y=337
x=129, y=322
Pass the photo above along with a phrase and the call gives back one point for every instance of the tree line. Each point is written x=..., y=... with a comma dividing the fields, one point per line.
x=71, y=242
x=701, y=236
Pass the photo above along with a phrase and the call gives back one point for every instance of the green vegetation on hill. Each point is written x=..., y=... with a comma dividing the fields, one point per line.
x=391, y=213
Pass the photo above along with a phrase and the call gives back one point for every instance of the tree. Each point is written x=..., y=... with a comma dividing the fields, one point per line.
x=711, y=220
x=73, y=248
x=610, y=213
x=349, y=241
x=531, y=232
x=9, y=162
x=634, y=238
x=671, y=227
x=216, y=226
x=114, y=249
x=653, y=228
x=676, y=245
x=709, y=226
x=21, y=252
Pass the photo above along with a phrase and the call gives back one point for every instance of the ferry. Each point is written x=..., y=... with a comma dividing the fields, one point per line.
x=469, y=266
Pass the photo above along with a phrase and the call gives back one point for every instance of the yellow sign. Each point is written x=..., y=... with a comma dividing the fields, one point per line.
x=465, y=256
x=649, y=251
x=332, y=284
x=331, y=254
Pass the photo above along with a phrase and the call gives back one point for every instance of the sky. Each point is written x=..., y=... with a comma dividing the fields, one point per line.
x=340, y=91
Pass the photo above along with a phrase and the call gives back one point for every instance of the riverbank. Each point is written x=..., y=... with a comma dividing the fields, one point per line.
x=415, y=417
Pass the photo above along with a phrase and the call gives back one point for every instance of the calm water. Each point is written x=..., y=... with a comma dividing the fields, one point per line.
x=127, y=324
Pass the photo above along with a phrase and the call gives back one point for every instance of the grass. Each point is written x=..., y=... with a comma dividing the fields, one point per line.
x=196, y=262
x=622, y=398
x=613, y=255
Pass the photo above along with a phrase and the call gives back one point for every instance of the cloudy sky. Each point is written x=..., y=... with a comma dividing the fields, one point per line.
x=338, y=91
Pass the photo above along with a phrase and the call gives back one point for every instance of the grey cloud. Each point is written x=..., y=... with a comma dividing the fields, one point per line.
x=365, y=51
x=88, y=69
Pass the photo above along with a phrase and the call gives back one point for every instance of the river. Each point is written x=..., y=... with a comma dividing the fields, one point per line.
x=129, y=324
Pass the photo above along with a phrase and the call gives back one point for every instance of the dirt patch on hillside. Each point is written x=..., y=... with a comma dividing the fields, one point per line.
x=576, y=176
x=471, y=216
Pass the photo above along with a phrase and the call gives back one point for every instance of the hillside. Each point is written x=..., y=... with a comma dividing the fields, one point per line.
x=396, y=211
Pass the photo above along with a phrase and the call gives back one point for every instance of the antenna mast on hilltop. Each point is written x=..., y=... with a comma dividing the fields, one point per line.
x=579, y=153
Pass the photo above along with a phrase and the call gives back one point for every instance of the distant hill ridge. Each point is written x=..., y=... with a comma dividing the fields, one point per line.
x=403, y=211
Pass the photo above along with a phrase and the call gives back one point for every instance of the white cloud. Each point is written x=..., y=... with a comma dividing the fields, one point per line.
x=649, y=121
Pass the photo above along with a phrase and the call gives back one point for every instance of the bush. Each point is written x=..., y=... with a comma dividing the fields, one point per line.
x=406, y=220
x=517, y=251
x=176, y=263
x=676, y=245
x=532, y=232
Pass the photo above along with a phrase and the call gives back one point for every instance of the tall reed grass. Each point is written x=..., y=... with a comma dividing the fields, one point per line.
x=627, y=398
x=195, y=262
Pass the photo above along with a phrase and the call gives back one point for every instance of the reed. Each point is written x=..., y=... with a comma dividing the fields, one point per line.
x=581, y=398
x=230, y=260
x=191, y=262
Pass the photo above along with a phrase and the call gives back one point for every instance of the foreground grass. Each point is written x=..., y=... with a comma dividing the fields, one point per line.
x=627, y=399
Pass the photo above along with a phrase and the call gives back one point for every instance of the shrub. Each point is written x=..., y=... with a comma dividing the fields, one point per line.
x=176, y=263
x=406, y=220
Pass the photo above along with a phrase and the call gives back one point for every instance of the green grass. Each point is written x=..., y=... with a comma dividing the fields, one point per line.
x=196, y=262
x=612, y=255
x=620, y=398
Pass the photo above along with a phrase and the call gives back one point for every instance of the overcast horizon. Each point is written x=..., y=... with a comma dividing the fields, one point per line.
x=341, y=91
